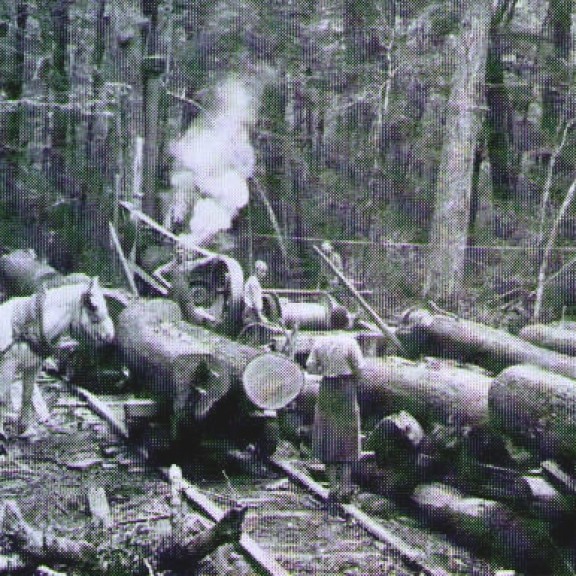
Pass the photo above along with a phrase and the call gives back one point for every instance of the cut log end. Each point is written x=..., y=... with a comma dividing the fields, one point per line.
x=272, y=381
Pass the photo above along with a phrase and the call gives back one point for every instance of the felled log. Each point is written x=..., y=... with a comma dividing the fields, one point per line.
x=41, y=545
x=487, y=526
x=537, y=406
x=192, y=368
x=527, y=492
x=182, y=553
x=552, y=336
x=468, y=341
x=430, y=390
x=22, y=273
x=395, y=439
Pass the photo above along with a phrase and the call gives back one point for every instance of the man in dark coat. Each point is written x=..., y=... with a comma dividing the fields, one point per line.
x=336, y=432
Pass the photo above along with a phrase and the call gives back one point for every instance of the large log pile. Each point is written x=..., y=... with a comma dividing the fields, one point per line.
x=190, y=369
x=468, y=341
x=431, y=390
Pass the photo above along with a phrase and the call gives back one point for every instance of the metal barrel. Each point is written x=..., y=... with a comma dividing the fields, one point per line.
x=306, y=315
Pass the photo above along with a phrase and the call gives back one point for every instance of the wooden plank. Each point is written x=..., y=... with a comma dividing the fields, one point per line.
x=558, y=477
x=159, y=228
x=103, y=410
x=248, y=544
x=123, y=261
x=147, y=278
x=302, y=478
x=373, y=527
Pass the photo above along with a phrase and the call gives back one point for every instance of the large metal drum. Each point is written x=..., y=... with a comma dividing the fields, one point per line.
x=306, y=315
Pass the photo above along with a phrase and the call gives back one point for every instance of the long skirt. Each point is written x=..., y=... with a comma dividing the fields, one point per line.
x=336, y=431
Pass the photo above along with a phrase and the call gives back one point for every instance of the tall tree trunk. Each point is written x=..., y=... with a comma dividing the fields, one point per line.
x=153, y=67
x=97, y=83
x=11, y=120
x=449, y=233
x=498, y=122
x=555, y=79
x=60, y=13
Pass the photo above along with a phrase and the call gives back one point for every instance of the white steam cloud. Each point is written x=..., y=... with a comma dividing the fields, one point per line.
x=214, y=160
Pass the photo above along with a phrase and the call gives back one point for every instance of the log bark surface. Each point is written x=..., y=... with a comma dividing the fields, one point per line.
x=538, y=406
x=195, y=367
x=432, y=390
x=554, y=337
x=22, y=273
x=158, y=354
x=477, y=343
x=486, y=525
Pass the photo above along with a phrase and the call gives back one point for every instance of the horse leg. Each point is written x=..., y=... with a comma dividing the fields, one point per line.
x=8, y=367
x=38, y=402
x=29, y=375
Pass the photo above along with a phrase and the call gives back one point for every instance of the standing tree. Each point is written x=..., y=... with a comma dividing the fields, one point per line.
x=153, y=67
x=60, y=14
x=449, y=231
x=11, y=117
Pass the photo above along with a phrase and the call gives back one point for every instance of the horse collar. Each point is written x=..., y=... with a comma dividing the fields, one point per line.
x=32, y=332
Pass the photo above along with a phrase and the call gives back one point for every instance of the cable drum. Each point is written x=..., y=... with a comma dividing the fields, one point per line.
x=272, y=381
x=306, y=315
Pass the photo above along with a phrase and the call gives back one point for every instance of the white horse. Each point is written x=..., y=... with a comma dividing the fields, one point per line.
x=29, y=328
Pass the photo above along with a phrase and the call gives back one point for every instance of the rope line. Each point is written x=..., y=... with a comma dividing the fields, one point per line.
x=386, y=244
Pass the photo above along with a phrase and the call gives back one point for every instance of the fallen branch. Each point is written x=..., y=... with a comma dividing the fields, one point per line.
x=41, y=545
x=176, y=553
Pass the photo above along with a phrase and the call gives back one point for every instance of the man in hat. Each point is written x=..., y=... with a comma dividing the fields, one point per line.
x=328, y=278
x=253, y=297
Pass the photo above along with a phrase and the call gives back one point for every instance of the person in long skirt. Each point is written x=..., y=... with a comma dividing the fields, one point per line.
x=336, y=431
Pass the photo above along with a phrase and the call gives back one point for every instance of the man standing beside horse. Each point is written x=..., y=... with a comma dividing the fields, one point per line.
x=29, y=328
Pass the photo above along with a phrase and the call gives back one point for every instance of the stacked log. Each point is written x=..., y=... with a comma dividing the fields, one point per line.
x=193, y=368
x=487, y=526
x=469, y=341
x=538, y=407
x=553, y=336
x=431, y=390
x=22, y=273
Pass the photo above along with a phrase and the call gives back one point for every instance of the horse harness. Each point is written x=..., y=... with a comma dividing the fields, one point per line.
x=28, y=325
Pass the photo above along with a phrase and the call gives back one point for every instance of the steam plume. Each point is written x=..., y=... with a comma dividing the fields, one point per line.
x=214, y=159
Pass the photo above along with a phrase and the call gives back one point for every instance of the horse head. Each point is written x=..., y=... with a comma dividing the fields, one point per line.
x=94, y=319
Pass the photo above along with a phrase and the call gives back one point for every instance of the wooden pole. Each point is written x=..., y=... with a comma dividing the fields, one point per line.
x=125, y=266
x=386, y=330
x=139, y=215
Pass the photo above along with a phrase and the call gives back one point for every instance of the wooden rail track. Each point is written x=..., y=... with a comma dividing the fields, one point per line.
x=413, y=559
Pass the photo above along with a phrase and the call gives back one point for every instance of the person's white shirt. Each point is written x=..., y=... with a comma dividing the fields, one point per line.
x=253, y=296
x=335, y=355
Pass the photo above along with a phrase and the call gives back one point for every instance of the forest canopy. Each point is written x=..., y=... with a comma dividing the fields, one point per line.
x=433, y=140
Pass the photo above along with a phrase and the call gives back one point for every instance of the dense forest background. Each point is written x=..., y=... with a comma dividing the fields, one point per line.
x=431, y=141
